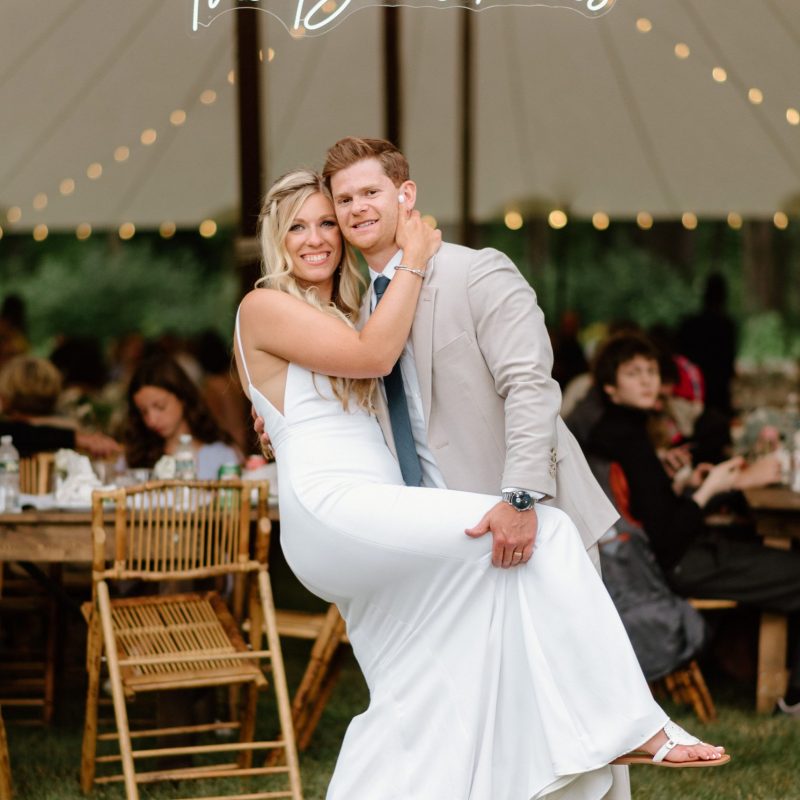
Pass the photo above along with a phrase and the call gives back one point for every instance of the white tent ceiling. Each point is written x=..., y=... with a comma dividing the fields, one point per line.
x=586, y=114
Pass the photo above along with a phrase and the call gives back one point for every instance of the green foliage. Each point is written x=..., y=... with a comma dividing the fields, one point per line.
x=767, y=336
x=105, y=287
x=625, y=283
x=91, y=289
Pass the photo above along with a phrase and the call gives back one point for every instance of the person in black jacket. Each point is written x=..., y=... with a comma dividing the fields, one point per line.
x=699, y=561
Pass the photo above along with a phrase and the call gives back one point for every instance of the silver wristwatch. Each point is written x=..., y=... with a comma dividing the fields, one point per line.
x=519, y=499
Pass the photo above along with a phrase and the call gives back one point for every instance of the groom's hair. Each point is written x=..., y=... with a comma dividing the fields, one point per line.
x=351, y=149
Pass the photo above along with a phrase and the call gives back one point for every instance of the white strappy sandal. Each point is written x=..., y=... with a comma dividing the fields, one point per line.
x=675, y=736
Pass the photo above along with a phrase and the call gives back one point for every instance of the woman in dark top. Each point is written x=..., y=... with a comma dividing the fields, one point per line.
x=699, y=561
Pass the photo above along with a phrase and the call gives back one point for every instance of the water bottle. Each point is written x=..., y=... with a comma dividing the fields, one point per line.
x=9, y=476
x=796, y=463
x=185, y=464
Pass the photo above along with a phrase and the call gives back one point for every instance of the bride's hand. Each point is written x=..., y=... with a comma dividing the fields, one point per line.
x=418, y=240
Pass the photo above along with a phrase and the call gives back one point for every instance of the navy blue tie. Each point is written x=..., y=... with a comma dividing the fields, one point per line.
x=398, y=412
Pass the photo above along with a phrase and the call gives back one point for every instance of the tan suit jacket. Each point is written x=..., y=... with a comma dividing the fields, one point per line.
x=484, y=360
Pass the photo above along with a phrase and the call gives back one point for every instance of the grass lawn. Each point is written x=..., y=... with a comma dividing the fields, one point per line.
x=765, y=750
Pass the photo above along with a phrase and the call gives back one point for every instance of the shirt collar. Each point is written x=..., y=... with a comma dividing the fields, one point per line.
x=388, y=270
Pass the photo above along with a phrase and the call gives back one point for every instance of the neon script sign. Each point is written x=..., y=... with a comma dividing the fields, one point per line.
x=315, y=17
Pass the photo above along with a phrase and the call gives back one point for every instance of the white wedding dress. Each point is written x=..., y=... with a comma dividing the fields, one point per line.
x=485, y=683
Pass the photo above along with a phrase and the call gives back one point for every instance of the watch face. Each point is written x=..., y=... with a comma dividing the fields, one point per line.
x=521, y=500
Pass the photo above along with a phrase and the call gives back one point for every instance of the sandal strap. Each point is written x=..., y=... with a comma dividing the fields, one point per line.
x=675, y=736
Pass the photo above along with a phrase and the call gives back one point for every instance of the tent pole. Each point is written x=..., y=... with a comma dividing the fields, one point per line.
x=467, y=141
x=250, y=143
x=392, y=77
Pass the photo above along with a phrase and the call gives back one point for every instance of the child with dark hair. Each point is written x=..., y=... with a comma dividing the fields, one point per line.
x=163, y=403
x=699, y=561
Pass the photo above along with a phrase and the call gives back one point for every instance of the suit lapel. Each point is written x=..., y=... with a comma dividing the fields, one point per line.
x=422, y=342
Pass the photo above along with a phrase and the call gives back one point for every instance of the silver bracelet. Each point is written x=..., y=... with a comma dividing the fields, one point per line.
x=420, y=272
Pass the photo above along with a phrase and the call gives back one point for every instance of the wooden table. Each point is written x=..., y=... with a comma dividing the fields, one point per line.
x=55, y=536
x=777, y=516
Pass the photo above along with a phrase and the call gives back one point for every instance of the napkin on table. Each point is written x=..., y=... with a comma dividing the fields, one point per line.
x=76, y=481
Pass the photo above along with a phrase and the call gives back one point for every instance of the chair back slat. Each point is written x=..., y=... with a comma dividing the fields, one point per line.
x=179, y=529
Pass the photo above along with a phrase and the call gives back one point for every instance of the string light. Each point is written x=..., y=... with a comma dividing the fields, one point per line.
x=95, y=170
x=557, y=219
x=208, y=228
x=1, y=231
x=793, y=116
x=270, y=54
x=719, y=74
x=682, y=50
x=644, y=220
x=40, y=232
x=127, y=230
x=755, y=96
x=780, y=220
x=689, y=220
x=643, y=25
x=167, y=230
x=734, y=220
x=513, y=220
x=83, y=231
x=600, y=220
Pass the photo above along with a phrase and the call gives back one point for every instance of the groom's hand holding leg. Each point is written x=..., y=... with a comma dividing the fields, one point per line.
x=513, y=533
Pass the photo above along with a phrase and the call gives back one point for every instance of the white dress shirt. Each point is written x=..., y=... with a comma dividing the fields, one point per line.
x=431, y=474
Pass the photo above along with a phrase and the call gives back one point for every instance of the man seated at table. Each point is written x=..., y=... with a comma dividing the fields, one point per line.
x=699, y=560
x=29, y=389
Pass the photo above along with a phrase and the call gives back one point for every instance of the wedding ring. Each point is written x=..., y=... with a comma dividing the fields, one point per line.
x=516, y=554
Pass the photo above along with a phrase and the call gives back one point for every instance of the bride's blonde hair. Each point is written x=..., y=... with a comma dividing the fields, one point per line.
x=281, y=206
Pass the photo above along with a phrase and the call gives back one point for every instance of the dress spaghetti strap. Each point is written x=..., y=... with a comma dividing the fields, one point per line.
x=241, y=349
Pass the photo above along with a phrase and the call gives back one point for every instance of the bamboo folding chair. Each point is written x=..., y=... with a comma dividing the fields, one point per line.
x=327, y=631
x=5, y=764
x=169, y=531
x=28, y=679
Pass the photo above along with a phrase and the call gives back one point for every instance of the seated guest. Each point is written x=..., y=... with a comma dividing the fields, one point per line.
x=699, y=561
x=29, y=390
x=163, y=403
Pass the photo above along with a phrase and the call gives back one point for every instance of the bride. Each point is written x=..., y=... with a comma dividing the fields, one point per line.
x=485, y=683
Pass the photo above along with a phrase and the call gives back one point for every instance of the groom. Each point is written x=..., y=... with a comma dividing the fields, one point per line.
x=482, y=405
